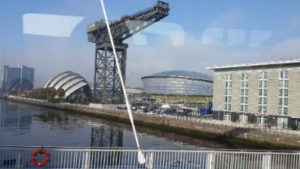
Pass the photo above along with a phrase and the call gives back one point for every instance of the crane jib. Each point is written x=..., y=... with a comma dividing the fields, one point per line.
x=128, y=25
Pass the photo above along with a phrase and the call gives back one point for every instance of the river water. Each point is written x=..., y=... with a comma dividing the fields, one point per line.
x=26, y=125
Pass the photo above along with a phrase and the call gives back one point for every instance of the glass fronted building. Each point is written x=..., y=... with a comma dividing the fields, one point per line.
x=178, y=83
x=16, y=78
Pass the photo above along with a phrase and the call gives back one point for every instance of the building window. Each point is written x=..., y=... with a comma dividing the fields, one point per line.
x=283, y=92
x=243, y=118
x=227, y=116
x=282, y=122
x=261, y=120
x=262, y=92
x=244, y=92
x=228, y=90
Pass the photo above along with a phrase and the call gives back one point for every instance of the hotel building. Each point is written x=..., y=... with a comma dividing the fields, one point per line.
x=262, y=93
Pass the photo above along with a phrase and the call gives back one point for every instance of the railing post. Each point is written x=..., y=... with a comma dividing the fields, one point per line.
x=86, y=158
x=149, y=161
x=210, y=163
x=266, y=161
x=19, y=157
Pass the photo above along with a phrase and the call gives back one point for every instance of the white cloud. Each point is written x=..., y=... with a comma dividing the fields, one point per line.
x=258, y=37
x=173, y=31
x=49, y=57
x=287, y=49
x=193, y=56
x=237, y=37
x=213, y=36
x=196, y=56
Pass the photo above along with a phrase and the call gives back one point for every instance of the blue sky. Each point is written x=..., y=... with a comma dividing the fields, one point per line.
x=216, y=32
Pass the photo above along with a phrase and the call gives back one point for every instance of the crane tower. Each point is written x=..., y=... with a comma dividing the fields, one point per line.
x=107, y=86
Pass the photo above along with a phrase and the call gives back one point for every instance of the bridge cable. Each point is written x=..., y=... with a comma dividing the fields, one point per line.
x=141, y=157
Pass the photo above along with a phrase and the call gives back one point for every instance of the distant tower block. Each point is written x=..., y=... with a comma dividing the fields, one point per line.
x=107, y=86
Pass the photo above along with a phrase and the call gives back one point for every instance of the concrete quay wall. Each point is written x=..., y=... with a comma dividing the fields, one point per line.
x=193, y=127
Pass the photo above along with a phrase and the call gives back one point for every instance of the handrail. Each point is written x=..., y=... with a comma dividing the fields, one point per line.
x=132, y=149
x=84, y=157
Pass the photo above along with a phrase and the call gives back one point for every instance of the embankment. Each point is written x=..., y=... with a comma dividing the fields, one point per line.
x=198, y=128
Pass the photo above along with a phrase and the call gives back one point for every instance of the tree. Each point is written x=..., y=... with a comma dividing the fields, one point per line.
x=51, y=93
x=60, y=93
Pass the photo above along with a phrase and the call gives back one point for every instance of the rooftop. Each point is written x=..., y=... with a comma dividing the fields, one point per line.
x=263, y=64
x=182, y=74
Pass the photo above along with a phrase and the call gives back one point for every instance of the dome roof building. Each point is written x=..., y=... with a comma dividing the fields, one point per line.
x=72, y=83
x=178, y=83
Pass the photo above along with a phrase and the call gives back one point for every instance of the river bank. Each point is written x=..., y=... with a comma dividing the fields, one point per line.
x=251, y=136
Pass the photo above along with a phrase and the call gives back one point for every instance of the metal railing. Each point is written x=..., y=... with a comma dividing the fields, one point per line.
x=20, y=157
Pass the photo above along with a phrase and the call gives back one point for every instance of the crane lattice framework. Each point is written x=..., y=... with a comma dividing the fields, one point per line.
x=107, y=86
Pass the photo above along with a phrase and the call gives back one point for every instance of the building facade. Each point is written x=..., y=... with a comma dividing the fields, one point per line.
x=263, y=93
x=178, y=83
x=16, y=78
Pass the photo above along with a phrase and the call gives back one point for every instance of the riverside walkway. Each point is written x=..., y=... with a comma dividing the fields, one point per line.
x=114, y=108
x=193, y=126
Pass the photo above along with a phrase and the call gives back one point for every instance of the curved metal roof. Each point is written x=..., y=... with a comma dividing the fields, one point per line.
x=68, y=81
x=182, y=74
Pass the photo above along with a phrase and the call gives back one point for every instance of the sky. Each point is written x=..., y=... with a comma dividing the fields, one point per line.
x=50, y=35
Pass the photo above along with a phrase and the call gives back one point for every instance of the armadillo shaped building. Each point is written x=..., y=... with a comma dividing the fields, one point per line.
x=72, y=83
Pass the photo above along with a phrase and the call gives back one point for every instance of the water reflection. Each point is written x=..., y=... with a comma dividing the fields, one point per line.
x=101, y=135
x=59, y=121
x=104, y=136
x=34, y=126
x=13, y=120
